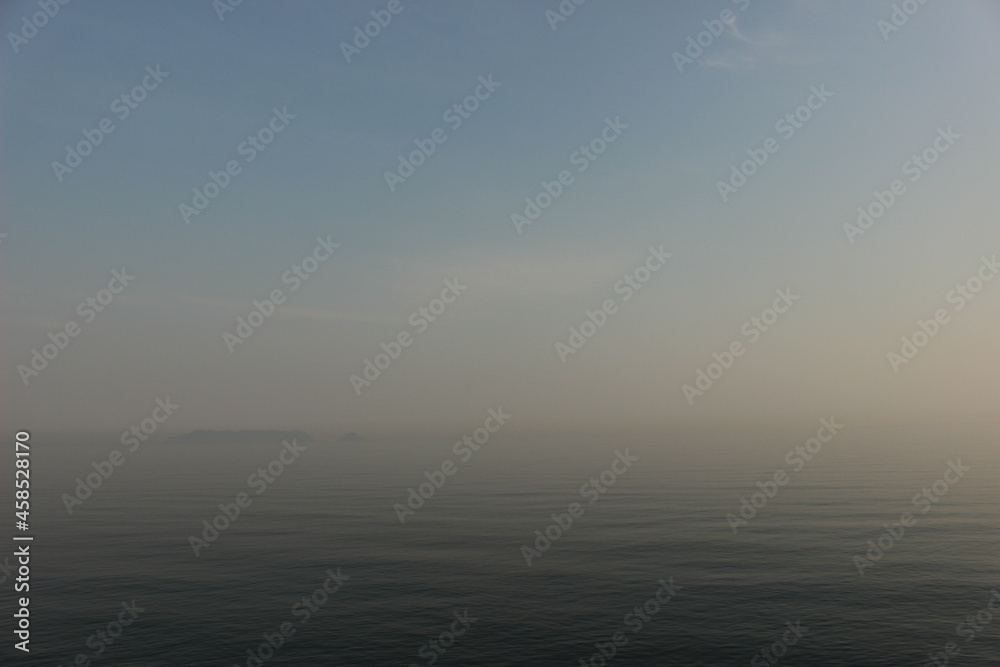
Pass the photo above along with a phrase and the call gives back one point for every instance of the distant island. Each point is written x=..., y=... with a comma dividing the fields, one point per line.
x=207, y=437
x=352, y=437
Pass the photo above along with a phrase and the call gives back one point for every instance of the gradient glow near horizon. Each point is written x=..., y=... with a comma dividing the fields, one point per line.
x=553, y=86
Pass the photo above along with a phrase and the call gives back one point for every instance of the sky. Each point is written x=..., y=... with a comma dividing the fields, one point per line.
x=671, y=120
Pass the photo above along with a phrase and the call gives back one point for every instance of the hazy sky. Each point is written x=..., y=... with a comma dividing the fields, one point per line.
x=609, y=65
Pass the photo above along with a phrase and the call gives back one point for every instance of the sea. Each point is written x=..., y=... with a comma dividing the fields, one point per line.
x=672, y=549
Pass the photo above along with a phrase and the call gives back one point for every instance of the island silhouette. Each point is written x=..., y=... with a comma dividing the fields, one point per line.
x=210, y=437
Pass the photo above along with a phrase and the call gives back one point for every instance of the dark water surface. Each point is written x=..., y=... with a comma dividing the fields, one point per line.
x=664, y=518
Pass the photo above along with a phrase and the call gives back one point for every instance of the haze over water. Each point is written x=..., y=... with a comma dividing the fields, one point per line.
x=500, y=333
x=663, y=519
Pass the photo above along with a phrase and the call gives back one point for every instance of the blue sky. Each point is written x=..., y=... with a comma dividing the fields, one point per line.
x=324, y=175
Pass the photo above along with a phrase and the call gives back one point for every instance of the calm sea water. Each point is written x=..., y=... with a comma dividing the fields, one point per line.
x=662, y=519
